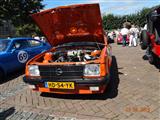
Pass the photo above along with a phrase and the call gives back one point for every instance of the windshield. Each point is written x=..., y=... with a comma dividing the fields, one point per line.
x=4, y=45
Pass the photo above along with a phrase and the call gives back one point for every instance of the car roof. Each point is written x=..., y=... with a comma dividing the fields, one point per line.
x=19, y=38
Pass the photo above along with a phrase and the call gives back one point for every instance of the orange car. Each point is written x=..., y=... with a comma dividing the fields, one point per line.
x=80, y=60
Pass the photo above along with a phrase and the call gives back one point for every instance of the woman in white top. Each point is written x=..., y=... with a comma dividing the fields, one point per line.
x=132, y=38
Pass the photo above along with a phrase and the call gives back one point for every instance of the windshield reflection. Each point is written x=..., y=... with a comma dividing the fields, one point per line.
x=4, y=45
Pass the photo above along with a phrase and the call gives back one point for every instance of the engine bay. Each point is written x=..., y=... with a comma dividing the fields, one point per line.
x=72, y=55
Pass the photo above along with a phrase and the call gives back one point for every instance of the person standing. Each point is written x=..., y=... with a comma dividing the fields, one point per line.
x=132, y=38
x=137, y=34
x=124, y=32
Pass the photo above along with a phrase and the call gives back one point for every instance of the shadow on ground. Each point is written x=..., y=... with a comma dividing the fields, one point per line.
x=12, y=76
x=111, y=91
x=6, y=113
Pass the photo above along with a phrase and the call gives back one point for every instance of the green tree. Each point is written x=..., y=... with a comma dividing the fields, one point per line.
x=142, y=16
x=111, y=21
x=18, y=12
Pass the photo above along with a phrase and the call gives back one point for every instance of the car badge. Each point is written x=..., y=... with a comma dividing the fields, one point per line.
x=59, y=71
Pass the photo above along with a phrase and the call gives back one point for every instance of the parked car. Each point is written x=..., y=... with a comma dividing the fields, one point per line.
x=80, y=60
x=15, y=52
x=150, y=38
x=120, y=39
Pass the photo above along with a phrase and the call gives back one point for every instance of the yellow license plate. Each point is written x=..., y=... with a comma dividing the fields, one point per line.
x=60, y=85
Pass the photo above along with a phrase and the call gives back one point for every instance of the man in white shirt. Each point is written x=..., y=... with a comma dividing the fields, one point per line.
x=124, y=32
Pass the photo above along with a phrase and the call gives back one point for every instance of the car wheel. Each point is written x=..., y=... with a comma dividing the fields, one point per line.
x=152, y=58
x=144, y=39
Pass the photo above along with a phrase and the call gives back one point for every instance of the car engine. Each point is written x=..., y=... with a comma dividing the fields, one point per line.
x=74, y=55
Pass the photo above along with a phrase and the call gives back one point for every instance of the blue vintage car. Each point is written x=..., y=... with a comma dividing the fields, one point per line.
x=15, y=52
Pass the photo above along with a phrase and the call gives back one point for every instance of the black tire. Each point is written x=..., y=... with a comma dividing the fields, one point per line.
x=144, y=39
x=152, y=58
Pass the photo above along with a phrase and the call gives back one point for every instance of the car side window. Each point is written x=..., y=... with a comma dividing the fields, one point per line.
x=34, y=43
x=20, y=44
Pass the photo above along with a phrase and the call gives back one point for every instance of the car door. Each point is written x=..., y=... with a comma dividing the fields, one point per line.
x=37, y=47
x=19, y=54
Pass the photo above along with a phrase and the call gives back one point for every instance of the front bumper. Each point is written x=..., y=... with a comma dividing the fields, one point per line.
x=82, y=86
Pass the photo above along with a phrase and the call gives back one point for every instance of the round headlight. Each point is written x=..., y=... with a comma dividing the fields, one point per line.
x=33, y=70
x=92, y=70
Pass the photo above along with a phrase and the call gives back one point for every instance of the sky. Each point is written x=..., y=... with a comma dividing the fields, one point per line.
x=116, y=7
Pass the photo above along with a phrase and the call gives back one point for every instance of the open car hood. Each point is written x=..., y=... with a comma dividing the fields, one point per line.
x=73, y=23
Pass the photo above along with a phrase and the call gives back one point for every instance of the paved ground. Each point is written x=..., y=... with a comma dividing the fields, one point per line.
x=133, y=94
